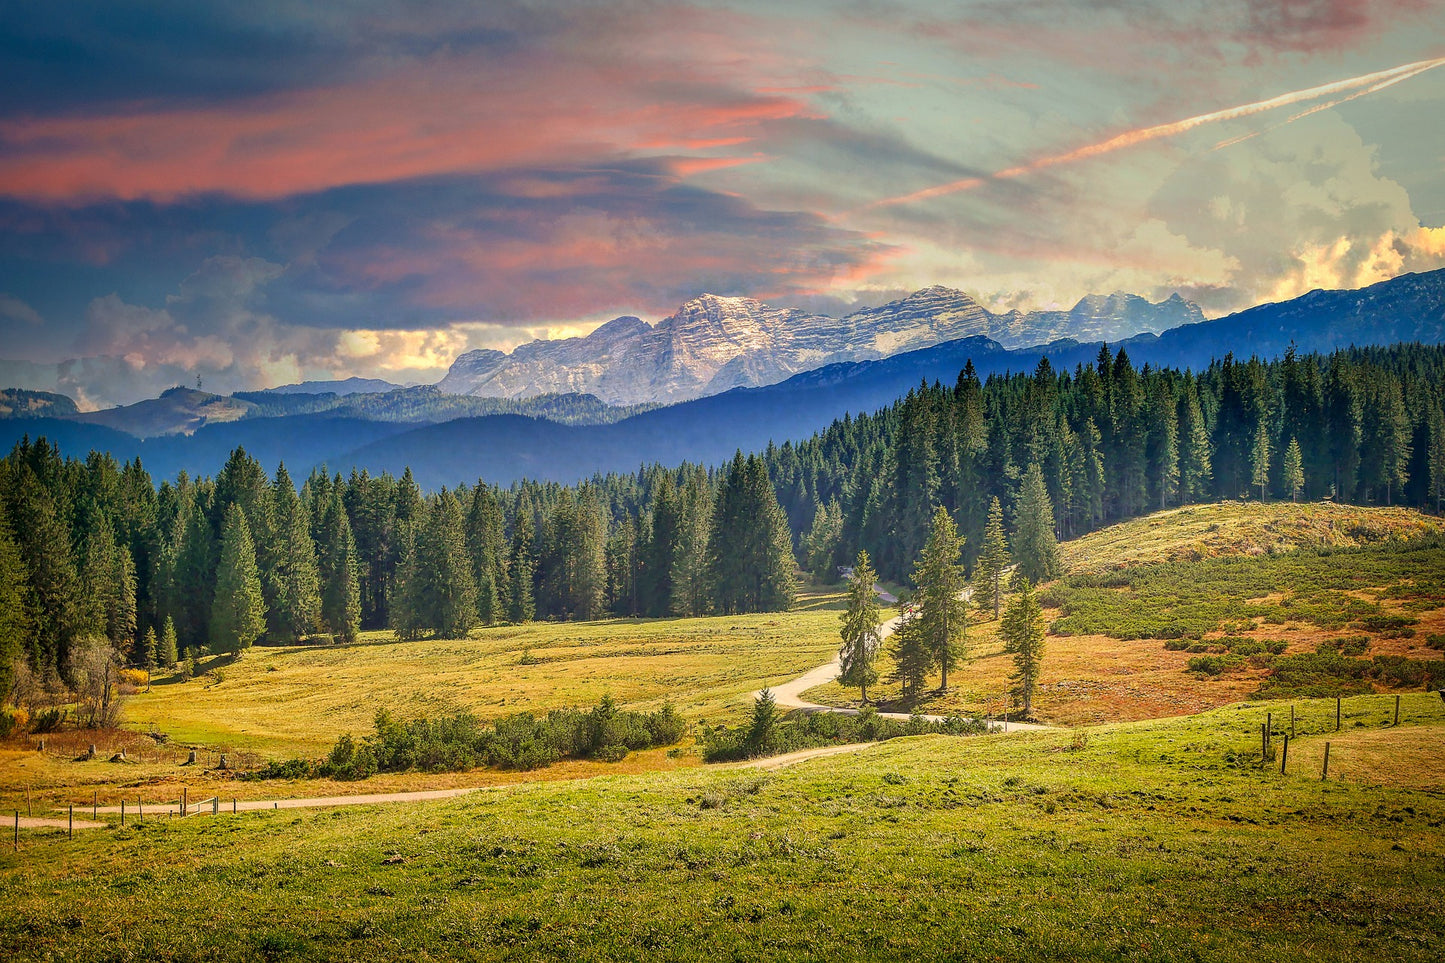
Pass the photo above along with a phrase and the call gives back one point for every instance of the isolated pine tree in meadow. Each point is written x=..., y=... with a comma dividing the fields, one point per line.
x=1022, y=631
x=860, y=629
x=166, y=651
x=942, y=609
x=1294, y=470
x=238, y=615
x=1035, y=547
x=762, y=737
x=993, y=561
x=146, y=650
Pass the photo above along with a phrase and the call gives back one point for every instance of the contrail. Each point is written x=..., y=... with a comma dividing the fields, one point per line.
x=1370, y=82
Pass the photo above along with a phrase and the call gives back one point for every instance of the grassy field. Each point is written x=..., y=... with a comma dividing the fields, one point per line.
x=276, y=703
x=1164, y=840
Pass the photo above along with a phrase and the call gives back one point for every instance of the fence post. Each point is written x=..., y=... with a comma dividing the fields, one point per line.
x=1325, y=772
x=215, y=805
x=233, y=805
x=1397, y=710
x=95, y=805
x=1284, y=756
x=185, y=801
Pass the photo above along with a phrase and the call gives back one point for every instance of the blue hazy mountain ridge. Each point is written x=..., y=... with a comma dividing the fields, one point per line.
x=504, y=448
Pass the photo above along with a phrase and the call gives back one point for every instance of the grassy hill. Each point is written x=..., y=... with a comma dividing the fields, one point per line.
x=1220, y=529
x=1149, y=841
x=1195, y=608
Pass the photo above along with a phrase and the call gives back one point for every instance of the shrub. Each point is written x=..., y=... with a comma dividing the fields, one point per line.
x=48, y=720
x=13, y=719
x=135, y=678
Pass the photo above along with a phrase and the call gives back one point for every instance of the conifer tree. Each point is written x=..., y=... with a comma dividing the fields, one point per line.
x=1259, y=458
x=1195, y=471
x=294, y=574
x=1022, y=631
x=406, y=603
x=750, y=546
x=166, y=652
x=486, y=542
x=660, y=551
x=912, y=654
x=521, y=566
x=860, y=629
x=993, y=561
x=942, y=609
x=820, y=544
x=448, y=595
x=1035, y=547
x=1437, y=456
x=15, y=621
x=238, y=615
x=120, y=617
x=1294, y=470
x=340, y=585
x=690, y=578
x=146, y=651
x=762, y=737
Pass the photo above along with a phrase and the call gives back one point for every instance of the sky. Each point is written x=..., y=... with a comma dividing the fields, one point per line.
x=252, y=194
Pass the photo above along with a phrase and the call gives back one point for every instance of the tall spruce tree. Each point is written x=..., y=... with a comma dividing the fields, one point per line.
x=1437, y=456
x=1022, y=631
x=295, y=610
x=1294, y=470
x=167, y=653
x=690, y=576
x=448, y=594
x=993, y=561
x=750, y=546
x=1259, y=458
x=521, y=606
x=487, y=544
x=912, y=654
x=1035, y=546
x=942, y=607
x=146, y=654
x=15, y=621
x=340, y=581
x=861, y=640
x=238, y=614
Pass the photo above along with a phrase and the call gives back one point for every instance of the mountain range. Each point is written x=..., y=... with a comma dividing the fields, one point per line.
x=714, y=344
x=504, y=447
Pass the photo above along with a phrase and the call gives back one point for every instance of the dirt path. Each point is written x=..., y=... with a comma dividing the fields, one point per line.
x=803, y=755
x=789, y=695
x=45, y=822
x=315, y=802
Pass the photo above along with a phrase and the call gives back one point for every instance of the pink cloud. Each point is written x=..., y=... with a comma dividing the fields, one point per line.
x=607, y=90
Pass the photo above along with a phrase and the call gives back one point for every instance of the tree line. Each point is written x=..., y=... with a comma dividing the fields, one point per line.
x=92, y=551
x=93, y=554
x=1111, y=442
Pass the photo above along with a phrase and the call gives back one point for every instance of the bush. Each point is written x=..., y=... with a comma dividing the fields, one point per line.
x=806, y=730
x=12, y=720
x=48, y=720
x=135, y=678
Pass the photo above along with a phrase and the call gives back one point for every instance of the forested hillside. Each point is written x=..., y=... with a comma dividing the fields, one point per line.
x=93, y=554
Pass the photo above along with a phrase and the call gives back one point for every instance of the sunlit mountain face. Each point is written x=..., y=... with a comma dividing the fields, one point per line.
x=261, y=195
